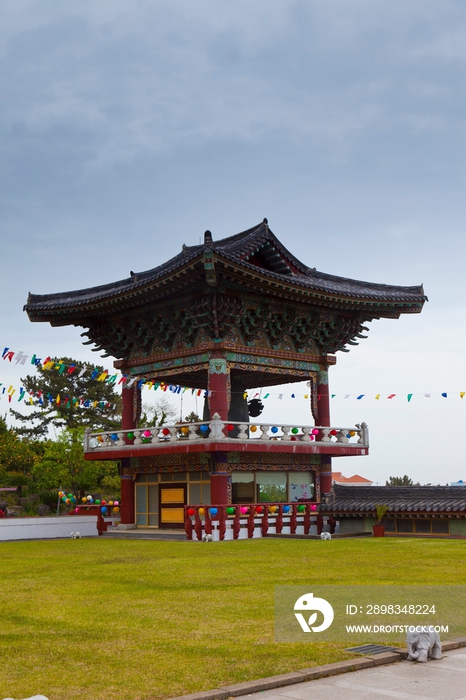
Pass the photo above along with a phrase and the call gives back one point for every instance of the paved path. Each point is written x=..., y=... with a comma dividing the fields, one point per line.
x=405, y=680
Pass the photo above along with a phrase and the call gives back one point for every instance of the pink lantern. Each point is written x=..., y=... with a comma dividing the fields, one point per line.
x=147, y=433
x=244, y=510
x=315, y=431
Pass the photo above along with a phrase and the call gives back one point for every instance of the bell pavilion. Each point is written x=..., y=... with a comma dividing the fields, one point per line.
x=225, y=317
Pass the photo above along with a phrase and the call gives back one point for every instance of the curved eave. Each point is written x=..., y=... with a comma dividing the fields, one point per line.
x=315, y=287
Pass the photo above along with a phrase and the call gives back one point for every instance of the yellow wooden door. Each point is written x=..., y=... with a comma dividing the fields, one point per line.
x=172, y=502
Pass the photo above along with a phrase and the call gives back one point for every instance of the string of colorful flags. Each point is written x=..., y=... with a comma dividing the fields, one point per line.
x=123, y=380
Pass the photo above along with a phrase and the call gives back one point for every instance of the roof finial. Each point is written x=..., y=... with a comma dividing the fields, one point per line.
x=265, y=221
x=207, y=237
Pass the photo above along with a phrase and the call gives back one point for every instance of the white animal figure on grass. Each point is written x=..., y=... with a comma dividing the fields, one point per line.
x=74, y=536
x=423, y=645
x=206, y=538
x=325, y=536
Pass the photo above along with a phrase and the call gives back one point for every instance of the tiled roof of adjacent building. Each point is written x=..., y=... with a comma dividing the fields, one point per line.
x=399, y=499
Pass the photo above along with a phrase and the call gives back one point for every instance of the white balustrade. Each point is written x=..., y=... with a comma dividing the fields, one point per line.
x=216, y=431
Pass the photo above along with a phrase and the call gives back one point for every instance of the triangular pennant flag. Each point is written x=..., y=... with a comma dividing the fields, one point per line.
x=377, y=396
x=360, y=396
x=392, y=396
x=409, y=397
x=444, y=394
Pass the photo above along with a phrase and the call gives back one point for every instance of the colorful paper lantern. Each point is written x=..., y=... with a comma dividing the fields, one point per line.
x=201, y=511
x=165, y=431
x=130, y=436
x=213, y=512
x=116, y=503
x=259, y=509
x=147, y=433
x=313, y=507
x=253, y=428
x=204, y=428
x=230, y=427
x=352, y=433
x=244, y=510
x=273, y=509
x=333, y=432
x=315, y=431
x=84, y=499
x=103, y=510
x=97, y=502
x=115, y=510
x=274, y=429
x=231, y=511
x=301, y=508
x=114, y=437
x=286, y=509
x=103, y=503
x=185, y=430
x=191, y=512
x=294, y=430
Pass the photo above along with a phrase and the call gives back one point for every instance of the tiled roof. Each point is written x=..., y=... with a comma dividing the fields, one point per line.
x=255, y=250
x=399, y=499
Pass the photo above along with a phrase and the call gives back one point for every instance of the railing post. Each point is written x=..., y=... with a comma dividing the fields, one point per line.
x=265, y=522
x=279, y=520
x=293, y=520
x=188, y=524
x=222, y=525
x=198, y=525
x=207, y=521
x=307, y=519
x=216, y=428
x=251, y=521
x=236, y=523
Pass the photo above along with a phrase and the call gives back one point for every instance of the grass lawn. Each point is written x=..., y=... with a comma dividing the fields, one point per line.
x=101, y=619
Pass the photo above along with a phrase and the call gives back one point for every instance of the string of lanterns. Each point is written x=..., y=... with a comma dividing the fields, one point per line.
x=106, y=507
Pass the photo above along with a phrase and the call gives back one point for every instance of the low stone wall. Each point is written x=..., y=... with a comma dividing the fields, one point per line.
x=47, y=528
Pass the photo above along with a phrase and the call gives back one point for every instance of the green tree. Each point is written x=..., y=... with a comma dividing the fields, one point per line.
x=63, y=465
x=17, y=456
x=192, y=418
x=399, y=481
x=84, y=400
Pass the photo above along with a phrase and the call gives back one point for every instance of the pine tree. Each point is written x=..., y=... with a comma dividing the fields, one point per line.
x=64, y=397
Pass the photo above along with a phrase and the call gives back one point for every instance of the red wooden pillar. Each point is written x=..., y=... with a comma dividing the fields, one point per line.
x=219, y=388
x=323, y=419
x=130, y=403
x=219, y=402
x=219, y=489
x=323, y=400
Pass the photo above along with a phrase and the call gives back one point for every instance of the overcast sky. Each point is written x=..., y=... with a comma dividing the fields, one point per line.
x=130, y=127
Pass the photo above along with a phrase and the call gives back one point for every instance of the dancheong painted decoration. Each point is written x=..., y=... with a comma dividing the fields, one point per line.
x=226, y=316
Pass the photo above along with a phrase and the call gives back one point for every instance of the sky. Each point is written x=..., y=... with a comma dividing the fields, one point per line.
x=129, y=127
